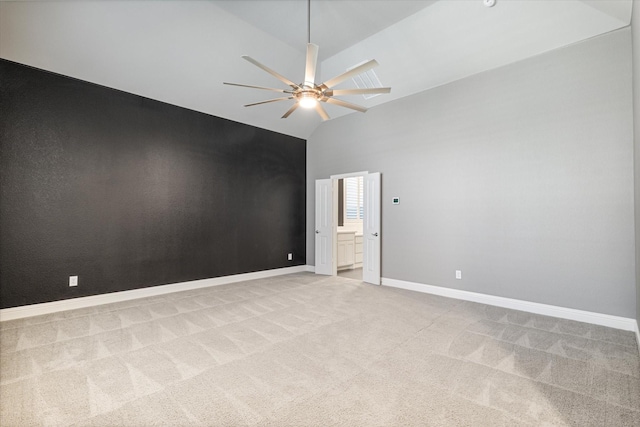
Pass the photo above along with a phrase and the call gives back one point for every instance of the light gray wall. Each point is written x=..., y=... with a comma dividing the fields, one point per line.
x=635, y=29
x=521, y=177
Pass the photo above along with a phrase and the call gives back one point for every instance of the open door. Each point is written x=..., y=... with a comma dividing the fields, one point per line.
x=324, y=227
x=370, y=229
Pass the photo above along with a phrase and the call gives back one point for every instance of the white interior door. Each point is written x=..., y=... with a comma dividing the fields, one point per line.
x=371, y=229
x=324, y=227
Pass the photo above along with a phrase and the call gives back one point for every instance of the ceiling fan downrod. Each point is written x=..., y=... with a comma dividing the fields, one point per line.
x=308, y=21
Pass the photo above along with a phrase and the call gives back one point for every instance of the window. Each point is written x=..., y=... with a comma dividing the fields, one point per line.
x=353, y=211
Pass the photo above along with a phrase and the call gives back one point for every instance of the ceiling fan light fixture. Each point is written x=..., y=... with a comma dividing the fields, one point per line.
x=308, y=100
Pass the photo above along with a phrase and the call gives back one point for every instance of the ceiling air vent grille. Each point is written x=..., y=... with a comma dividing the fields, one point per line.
x=366, y=80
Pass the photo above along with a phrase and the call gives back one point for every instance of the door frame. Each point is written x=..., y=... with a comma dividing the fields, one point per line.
x=335, y=179
x=334, y=218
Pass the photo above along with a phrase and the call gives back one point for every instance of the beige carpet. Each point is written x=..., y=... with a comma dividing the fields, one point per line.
x=306, y=350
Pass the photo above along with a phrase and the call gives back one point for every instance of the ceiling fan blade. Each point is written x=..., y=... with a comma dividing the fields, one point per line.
x=344, y=104
x=270, y=100
x=259, y=87
x=310, y=69
x=340, y=92
x=351, y=73
x=291, y=110
x=270, y=71
x=321, y=111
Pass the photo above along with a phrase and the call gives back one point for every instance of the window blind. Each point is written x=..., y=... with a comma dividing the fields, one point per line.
x=353, y=198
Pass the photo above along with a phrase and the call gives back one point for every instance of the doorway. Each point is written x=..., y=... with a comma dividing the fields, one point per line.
x=350, y=216
x=347, y=235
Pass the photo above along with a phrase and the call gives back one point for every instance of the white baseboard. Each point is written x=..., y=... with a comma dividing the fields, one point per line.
x=616, y=322
x=311, y=268
x=82, y=302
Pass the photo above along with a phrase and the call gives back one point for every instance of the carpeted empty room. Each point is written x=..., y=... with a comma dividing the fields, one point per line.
x=309, y=350
x=317, y=213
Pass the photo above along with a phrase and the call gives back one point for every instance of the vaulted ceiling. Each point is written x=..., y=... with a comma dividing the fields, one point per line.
x=181, y=51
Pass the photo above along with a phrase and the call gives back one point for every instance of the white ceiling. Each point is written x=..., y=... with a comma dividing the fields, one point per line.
x=181, y=51
x=335, y=25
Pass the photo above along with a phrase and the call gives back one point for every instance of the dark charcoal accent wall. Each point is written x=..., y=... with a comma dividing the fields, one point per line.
x=127, y=192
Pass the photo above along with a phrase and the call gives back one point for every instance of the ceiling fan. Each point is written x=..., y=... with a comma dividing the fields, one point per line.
x=308, y=94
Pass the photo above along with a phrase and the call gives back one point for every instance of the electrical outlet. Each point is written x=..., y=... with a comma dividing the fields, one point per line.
x=459, y=274
x=73, y=280
x=290, y=257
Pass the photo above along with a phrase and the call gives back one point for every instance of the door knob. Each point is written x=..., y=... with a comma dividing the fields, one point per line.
x=317, y=231
x=374, y=234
